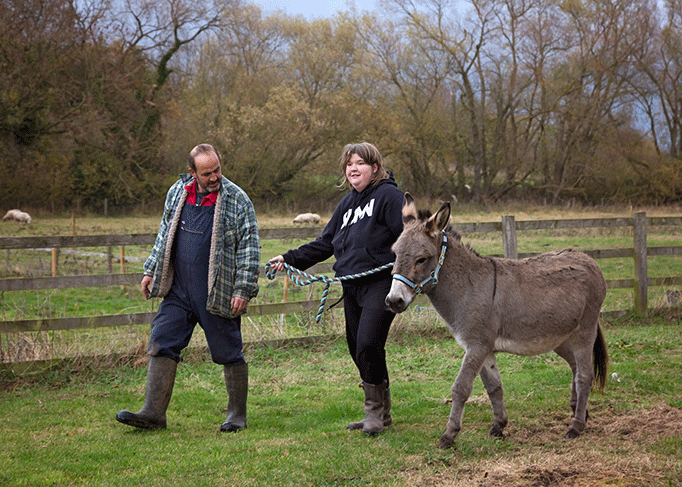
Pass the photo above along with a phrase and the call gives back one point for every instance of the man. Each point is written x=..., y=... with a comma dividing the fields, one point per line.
x=205, y=265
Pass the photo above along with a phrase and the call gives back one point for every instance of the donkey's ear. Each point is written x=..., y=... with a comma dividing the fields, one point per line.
x=440, y=220
x=409, y=208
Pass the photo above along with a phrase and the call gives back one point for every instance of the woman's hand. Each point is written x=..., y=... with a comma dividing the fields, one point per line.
x=277, y=263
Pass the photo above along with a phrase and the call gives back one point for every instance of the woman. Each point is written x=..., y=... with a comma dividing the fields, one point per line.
x=359, y=235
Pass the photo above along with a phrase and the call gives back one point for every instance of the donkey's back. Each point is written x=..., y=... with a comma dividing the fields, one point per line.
x=543, y=300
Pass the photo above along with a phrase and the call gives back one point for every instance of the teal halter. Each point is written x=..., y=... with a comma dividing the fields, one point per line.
x=433, y=278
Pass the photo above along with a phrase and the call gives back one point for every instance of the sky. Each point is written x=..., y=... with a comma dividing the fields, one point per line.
x=311, y=9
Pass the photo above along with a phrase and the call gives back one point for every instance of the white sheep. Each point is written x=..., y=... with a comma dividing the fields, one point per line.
x=304, y=218
x=18, y=216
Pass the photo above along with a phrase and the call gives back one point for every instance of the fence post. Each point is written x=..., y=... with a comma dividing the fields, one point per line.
x=110, y=269
x=509, y=237
x=123, y=265
x=639, y=240
x=55, y=254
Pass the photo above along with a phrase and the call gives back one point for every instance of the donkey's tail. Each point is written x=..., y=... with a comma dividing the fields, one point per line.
x=600, y=359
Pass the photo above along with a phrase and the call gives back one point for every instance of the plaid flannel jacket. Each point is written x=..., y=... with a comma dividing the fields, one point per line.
x=235, y=247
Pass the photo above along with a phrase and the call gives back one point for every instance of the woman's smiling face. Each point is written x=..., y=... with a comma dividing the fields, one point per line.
x=359, y=173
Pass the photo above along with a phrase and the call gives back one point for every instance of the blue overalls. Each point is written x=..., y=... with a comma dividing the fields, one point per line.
x=185, y=304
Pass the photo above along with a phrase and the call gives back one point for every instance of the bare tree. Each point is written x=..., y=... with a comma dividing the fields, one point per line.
x=161, y=28
x=659, y=81
x=412, y=74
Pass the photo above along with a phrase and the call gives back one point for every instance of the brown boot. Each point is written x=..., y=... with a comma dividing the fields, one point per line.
x=373, y=424
x=237, y=385
x=160, y=381
x=388, y=420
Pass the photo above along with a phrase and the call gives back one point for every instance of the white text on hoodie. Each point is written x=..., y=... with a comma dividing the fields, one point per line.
x=358, y=214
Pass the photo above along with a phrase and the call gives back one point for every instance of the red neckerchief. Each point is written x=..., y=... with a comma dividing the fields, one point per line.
x=209, y=200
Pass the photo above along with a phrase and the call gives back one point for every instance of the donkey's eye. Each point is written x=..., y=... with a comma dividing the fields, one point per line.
x=421, y=260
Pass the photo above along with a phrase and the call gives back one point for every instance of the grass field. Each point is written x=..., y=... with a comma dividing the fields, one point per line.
x=58, y=427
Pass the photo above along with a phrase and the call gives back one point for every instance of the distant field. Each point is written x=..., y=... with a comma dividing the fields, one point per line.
x=121, y=300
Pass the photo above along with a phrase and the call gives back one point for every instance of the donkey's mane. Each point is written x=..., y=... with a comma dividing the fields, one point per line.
x=424, y=215
x=451, y=232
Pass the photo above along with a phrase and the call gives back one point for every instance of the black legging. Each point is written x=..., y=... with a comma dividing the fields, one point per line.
x=367, y=323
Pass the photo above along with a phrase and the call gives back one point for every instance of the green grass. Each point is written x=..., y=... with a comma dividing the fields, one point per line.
x=58, y=427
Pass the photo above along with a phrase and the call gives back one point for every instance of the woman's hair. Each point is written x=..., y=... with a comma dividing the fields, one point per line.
x=367, y=153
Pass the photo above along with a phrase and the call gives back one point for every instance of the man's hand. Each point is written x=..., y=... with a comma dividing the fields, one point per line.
x=238, y=305
x=146, y=285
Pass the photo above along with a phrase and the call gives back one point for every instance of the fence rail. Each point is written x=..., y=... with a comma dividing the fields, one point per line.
x=507, y=226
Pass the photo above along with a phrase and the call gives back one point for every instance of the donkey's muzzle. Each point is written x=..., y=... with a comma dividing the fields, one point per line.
x=398, y=298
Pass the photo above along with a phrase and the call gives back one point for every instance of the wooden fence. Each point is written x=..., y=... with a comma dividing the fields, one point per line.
x=508, y=226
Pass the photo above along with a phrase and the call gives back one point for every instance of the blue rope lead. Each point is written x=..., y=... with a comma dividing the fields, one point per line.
x=303, y=279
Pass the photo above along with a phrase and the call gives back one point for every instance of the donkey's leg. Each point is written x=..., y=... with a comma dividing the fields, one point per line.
x=461, y=390
x=583, y=384
x=566, y=352
x=490, y=375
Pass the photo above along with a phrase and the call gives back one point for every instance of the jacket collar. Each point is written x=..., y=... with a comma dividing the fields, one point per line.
x=209, y=200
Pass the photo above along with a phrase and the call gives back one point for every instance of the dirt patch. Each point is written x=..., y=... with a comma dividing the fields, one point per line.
x=616, y=450
x=646, y=426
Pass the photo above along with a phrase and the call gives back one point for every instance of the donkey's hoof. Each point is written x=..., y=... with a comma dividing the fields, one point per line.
x=572, y=433
x=496, y=432
x=446, y=442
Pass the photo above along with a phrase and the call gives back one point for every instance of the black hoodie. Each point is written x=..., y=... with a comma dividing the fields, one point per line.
x=360, y=232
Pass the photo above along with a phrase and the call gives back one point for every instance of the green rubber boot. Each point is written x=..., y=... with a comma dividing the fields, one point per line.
x=160, y=381
x=237, y=385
